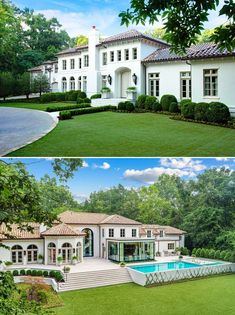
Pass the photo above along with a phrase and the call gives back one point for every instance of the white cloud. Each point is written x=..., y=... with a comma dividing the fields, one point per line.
x=85, y=164
x=80, y=197
x=104, y=166
x=183, y=163
x=150, y=175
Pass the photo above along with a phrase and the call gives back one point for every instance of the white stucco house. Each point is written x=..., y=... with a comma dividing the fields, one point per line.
x=134, y=59
x=80, y=234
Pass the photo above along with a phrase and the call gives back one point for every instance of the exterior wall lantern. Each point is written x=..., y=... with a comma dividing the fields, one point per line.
x=134, y=78
x=109, y=78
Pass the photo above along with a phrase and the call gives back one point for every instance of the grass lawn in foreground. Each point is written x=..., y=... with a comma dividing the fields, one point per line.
x=37, y=106
x=121, y=134
x=211, y=296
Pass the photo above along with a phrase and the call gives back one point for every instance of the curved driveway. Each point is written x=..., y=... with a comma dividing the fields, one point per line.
x=19, y=127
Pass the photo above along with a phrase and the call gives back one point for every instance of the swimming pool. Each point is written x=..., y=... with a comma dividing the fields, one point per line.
x=172, y=265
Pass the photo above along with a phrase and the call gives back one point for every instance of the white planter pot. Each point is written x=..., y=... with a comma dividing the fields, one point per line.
x=105, y=94
x=74, y=262
x=40, y=261
x=131, y=95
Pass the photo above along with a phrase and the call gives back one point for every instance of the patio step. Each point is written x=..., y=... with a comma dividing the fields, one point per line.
x=106, y=101
x=93, y=279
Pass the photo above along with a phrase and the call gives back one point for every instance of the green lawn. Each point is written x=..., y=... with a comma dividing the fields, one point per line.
x=35, y=105
x=118, y=134
x=211, y=296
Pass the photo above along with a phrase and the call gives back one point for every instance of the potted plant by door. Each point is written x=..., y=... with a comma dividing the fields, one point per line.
x=105, y=92
x=59, y=260
x=66, y=269
x=40, y=259
x=131, y=93
x=75, y=260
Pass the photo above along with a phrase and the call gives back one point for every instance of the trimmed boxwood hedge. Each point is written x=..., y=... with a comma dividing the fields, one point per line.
x=200, y=111
x=225, y=255
x=166, y=101
x=218, y=113
x=157, y=107
x=81, y=100
x=91, y=110
x=140, y=103
x=66, y=114
x=149, y=102
x=126, y=106
x=53, y=97
x=39, y=273
x=174, y=108
x=94, y=96
x=187, y=110
x=67, y=107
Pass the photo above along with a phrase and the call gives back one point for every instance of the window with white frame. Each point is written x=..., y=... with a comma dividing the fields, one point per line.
x=134, y=53
x=122, y=232
x=56, y=68
x=104, y=57
x=126, y=54
x=149, y=233
x=64, y=64
x=154, y=84
x=84, y=84
x=119, y=55
x=64, y=84
x=111, y=56
x=86, y=61
x=79, y=83
x=72, y=84
x=104, y=81
x=133, y=232
x=185, y=85
x=72, y=64
x=171, y=246
x=210, y=82
x=80, y=63
x=161, y=234
x=111, y=232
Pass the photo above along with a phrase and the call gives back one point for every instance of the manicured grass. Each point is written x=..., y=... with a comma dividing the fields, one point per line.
x=118, y=134
x=35, y=105
x=211, y=296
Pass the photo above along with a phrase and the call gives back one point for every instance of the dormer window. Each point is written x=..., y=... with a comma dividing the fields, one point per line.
x=161, y=233
x=149, y=233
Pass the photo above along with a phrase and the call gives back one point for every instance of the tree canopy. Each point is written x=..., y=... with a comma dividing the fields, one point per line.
x=184, y=20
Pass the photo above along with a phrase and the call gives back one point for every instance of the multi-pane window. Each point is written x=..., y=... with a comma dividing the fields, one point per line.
x=210, y=82
x=79, y=83
x=104, y=59
x=80, y=63
x=111, y=232
x=133, y=232
x=86, y=61
x=72, y=63
x=171, y=246
x=126, y=54
x=122, y=232
x=64, y=84
x=161, y=233
x=134, y=53
x=84, y=84
x=149, y=233
x=111, y=56
x=154, y=82
x=64, y=64
x=72, y=84
x=104, y=81
x=56, y=68
x=185, y=85
x=119, y=55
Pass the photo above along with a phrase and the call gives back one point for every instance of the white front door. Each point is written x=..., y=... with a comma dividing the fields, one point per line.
x=125, y=82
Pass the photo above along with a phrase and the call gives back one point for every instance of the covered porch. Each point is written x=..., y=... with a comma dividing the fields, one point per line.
x=130, y=250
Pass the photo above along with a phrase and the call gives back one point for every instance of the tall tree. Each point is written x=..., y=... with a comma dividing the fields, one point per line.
x=40, y=84
x=184, y=20
x=81, y=40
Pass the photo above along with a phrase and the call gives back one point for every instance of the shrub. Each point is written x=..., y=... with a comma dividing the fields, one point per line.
x=182, y=102
x=72, y=96
x=184, y=251
x=15, y=273
x=149, y=102
x=232, y=257
x=217, y=254
x=39, y=273
x=203, y=253
x=42, y=296
x=45, y=273
x=81, y=94
x=83, y=100
x=122, y=106
x=227, y=256
x=28, y=272
x=212, y=253
x=223, y=254
x=47, y=97
x=54, y=97
x=34, y=273
x=187, y=110
x=66, y=114
x=206, y=253
x=157, y=107
x=200, y=111
x=91, y=110
x=94, y=96
x=66, y=107
x=22, y=272
x=174, y=108
x=129, y=106
x=52, y=273
x=166, y=101
x=58, y=276
x=59, y=96
x=198, y=252
x=218, y=113
x=194, y=252
x=140, y=103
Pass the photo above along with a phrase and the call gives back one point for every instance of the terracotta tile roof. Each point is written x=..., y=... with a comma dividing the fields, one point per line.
x=15, y=232
x=73, y=50
x=199, y=51
x=131, y=34
x=61, y=229
x=38, y=68
x=70, y=217
x=168, y=229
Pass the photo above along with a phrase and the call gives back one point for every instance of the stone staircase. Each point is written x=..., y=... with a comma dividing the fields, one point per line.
x=93, y=279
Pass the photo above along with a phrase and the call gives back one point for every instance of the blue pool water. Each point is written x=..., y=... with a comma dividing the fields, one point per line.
x=168, y=266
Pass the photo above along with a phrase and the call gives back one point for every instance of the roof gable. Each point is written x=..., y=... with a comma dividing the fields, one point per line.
x=61, y=229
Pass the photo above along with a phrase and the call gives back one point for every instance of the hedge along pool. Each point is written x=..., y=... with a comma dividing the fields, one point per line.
x=165, y=272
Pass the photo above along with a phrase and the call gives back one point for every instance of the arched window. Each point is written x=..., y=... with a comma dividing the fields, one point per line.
x=32, y=253
x=88, y=243
x=67, y=251
x=79, y=251
x=51, y=251
x=64, y=84
x=17, y=254
x=72, y=84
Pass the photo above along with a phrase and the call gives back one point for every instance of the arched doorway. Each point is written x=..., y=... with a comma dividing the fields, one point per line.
x=88, y=243
x=67, y=251
x=32, y=254
x=51, y=251
x=17, y=254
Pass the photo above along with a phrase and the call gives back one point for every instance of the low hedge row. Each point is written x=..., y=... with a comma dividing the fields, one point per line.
x=67, y=107
x=62, y=96
x=39, y=273
x=91, y=110
x=126, y=106
x=168, y=103
x=81, y=100
x=21, y=100
x=94, y=96
x=225, y=255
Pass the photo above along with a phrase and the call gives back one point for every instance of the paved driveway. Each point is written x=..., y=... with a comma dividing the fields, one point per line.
x=19, y=127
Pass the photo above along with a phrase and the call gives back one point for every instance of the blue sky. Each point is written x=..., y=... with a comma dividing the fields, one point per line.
x=102, y=173
x=78, y=16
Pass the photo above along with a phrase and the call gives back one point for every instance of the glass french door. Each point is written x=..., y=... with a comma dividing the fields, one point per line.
x=67, y=255
x=185, y=85
x=51, y=255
